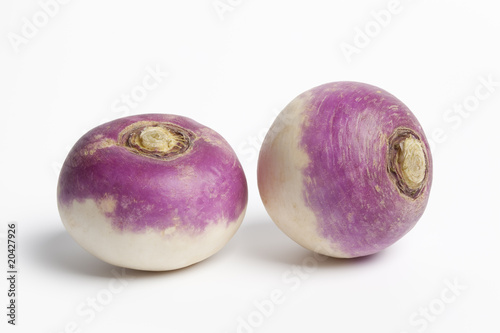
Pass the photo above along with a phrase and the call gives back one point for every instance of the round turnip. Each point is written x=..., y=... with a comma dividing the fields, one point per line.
x=345, y=170
x=152, y=192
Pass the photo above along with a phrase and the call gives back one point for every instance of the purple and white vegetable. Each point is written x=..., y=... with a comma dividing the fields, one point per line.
x=152, y=192
x=345, y=170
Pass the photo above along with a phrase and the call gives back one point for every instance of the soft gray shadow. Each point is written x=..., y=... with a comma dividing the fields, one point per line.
x=265, y=241
x=258, y=239
x=59, y=252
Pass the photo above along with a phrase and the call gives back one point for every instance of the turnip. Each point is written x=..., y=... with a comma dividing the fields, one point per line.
x=152, y=192
x=345, y=170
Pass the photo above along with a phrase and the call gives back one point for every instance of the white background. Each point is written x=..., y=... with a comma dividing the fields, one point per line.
x=233, y=72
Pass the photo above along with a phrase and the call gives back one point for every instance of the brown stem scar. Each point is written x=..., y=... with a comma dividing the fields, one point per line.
x=159, y=140
x=407, y=162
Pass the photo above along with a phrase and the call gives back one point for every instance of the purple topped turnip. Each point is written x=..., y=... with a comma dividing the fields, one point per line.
x=345, y=170
x=152, y=192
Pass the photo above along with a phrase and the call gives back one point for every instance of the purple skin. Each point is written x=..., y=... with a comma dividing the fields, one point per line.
x=359, y=201
x=188, y=190
x=152, y=191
